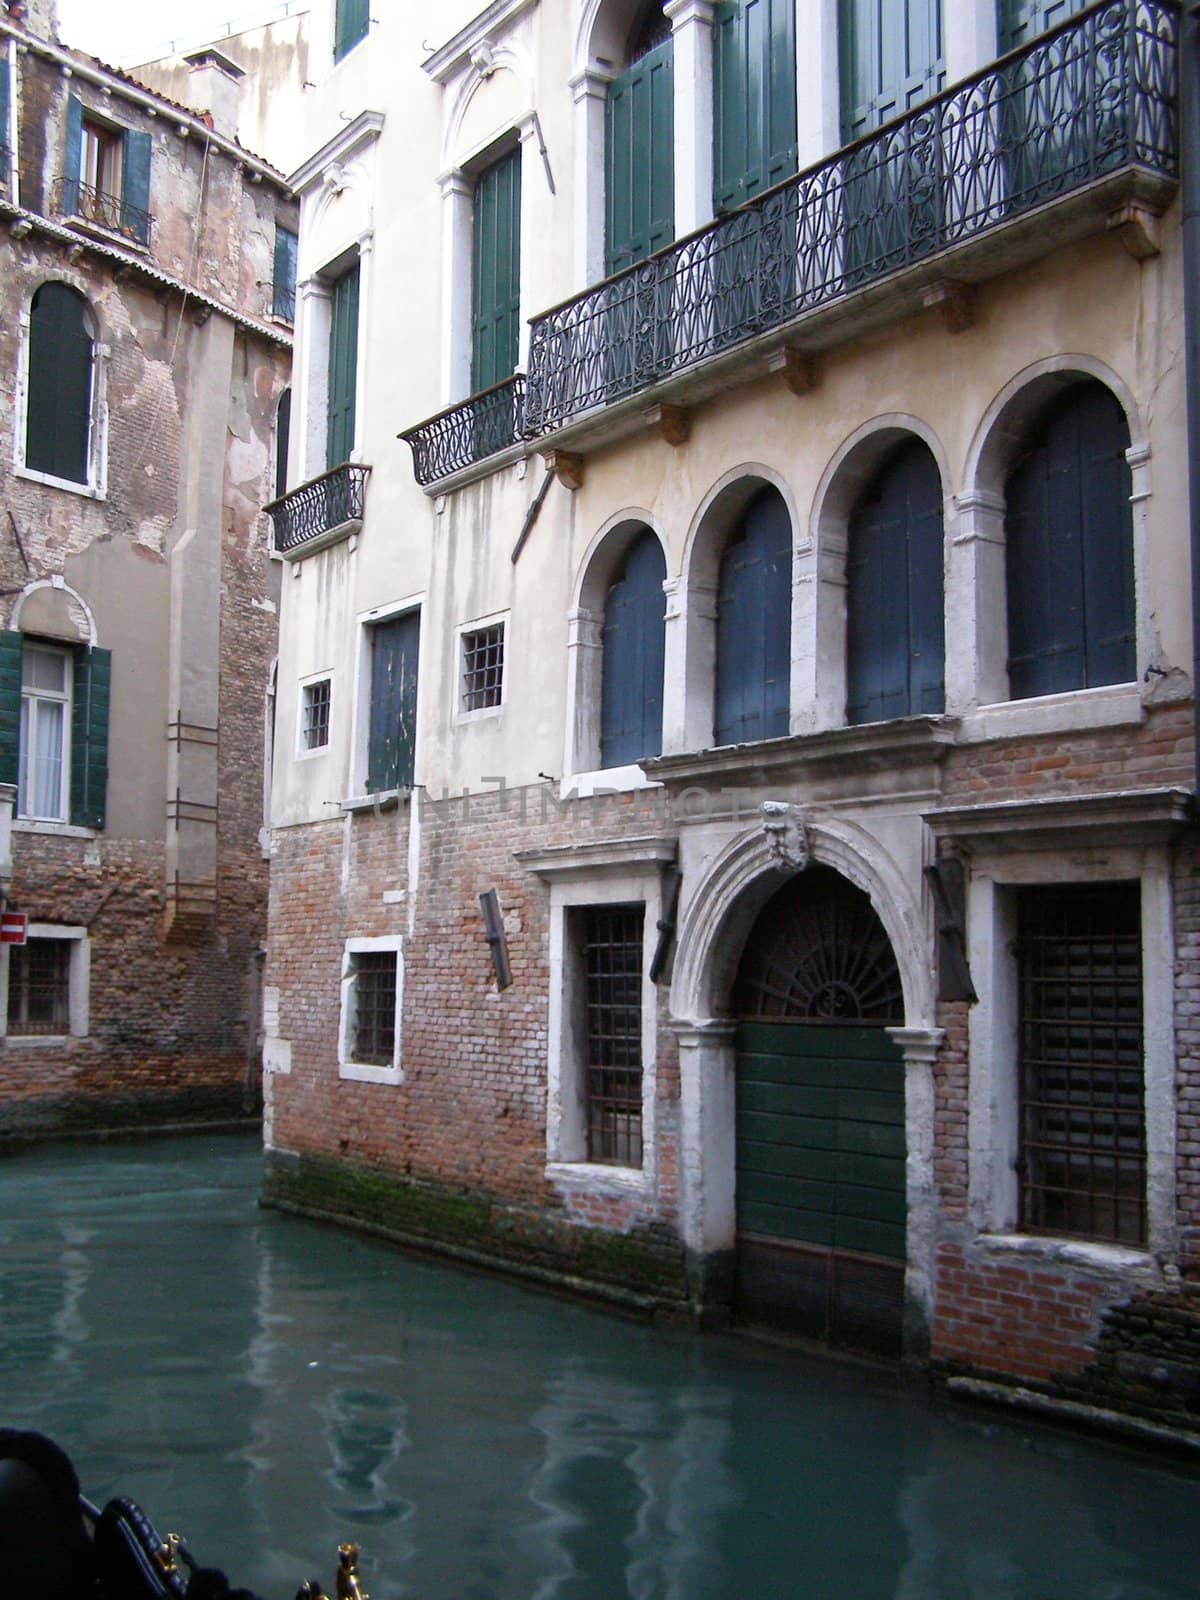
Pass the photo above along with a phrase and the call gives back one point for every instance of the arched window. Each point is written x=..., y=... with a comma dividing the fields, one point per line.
x=632, y=674
x=754, y=625
x=640, y=145
x=1069, y=548
x=895, y=628
x=283, y=437
x=58, y=424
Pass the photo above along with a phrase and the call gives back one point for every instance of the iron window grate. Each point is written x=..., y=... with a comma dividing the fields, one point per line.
x=375, y=1007
x=39, y=987
x=483, y=668
x=1083, y=1139
x=315, y=727
x=612, y=958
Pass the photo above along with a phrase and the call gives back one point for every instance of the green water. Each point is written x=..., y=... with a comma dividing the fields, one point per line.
x=271, y=1387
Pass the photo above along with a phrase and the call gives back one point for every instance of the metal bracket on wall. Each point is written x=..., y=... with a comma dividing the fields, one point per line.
x=947, y=881
x=493, y=923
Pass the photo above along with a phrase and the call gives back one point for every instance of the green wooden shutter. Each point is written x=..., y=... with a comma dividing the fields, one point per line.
x=392, y=730
x=754, y=98
x=135, y=185
x=59, y=399
x=283, y=303
x=1022, y=20
x=343, y=368
x=639, y=184
x=891, y=60
x=496, y=273
x=72, y=154
x=11, y=645
x=89, y=736
x=352, y=21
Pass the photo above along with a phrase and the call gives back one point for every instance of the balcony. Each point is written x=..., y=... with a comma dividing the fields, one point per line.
x=107, y=211
x=319, y=512
x=1070, y=135
x=489, y=422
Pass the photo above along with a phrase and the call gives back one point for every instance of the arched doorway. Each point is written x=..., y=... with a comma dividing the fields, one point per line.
x=820, y=1131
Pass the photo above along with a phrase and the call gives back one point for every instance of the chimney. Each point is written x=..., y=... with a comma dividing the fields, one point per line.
x=214, y=88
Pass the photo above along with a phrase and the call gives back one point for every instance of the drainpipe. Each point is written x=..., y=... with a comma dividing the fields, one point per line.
x=1189, y=157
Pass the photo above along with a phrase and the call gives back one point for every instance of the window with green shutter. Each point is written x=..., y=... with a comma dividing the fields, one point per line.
x=639, y=176
x=351, y=21
x=1022, y=20
x=54, y=714
x=106, y=173
x=496, y=273
x=58, y=414
x=343, y=368
x=392, y=720
x=4, y=135
x=754, y=98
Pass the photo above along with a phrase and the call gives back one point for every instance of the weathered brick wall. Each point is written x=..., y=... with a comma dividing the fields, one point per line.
x=470, y=1117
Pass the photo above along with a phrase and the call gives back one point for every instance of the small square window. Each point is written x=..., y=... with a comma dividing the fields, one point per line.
x=39, y=987
x=483, y=668
x=314, y=714
x=375, y=1007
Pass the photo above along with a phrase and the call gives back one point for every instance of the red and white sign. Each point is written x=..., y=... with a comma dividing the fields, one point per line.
x=13, y=927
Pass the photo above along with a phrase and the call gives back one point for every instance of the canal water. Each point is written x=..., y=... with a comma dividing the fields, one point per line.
x=271, y=1387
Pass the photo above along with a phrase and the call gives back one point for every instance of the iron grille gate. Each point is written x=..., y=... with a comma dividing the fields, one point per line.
x=612, y=959
x=1082, y=1162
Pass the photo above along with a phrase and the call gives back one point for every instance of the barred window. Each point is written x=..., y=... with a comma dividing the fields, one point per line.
x=612, y=960
x=314, y=724
x=39, y=987
x=375, y=1007
x=1083, y=1127
x=483, y=668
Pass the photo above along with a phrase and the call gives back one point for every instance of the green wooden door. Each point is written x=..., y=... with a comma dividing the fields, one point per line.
x=821, y=1189
x=754, y=98
x=820, y=1136
x=496, y=273
x=891, y=59
x=343, y=369
x=639, y=195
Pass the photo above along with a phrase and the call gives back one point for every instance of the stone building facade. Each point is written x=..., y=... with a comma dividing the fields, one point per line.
x=140, y=374
x=732, y=839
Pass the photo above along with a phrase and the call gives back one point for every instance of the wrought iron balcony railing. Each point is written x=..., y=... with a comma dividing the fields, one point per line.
x=460, y=436
x=109, y=211
x=1093, y=96
x=319, y=506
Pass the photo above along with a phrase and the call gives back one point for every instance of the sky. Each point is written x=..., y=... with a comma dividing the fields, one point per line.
x=120, y=30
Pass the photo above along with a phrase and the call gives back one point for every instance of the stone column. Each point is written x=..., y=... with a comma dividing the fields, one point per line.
x=920, y=1047
x=818, y=90
x=310, y=386
x=585, y=644
x=590, y=92
x=366, y=274
x=976, y=617
x=707, y=1160
x=969, y=40
x=458, y=212
x=692, y=33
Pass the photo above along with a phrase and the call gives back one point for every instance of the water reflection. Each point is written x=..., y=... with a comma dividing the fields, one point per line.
x=274, y=1388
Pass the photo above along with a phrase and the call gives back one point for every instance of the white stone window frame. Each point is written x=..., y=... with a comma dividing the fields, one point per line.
x=78, y=985
x=360, y=1071
x=361, y=797
x=626, y=873
x=997, y=871
x=310, y=681
x=66, y=699
x=345, y=163
x=96, y=487
x=496, y=619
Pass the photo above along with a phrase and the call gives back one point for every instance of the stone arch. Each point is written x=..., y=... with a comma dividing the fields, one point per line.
x=727, y=901
x=821, y=567
x=1010, y=413
x=585, y=624
x=52, y=609
x=600, y=39
x=516, y=108
x=982, y=505
x=719, y=510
